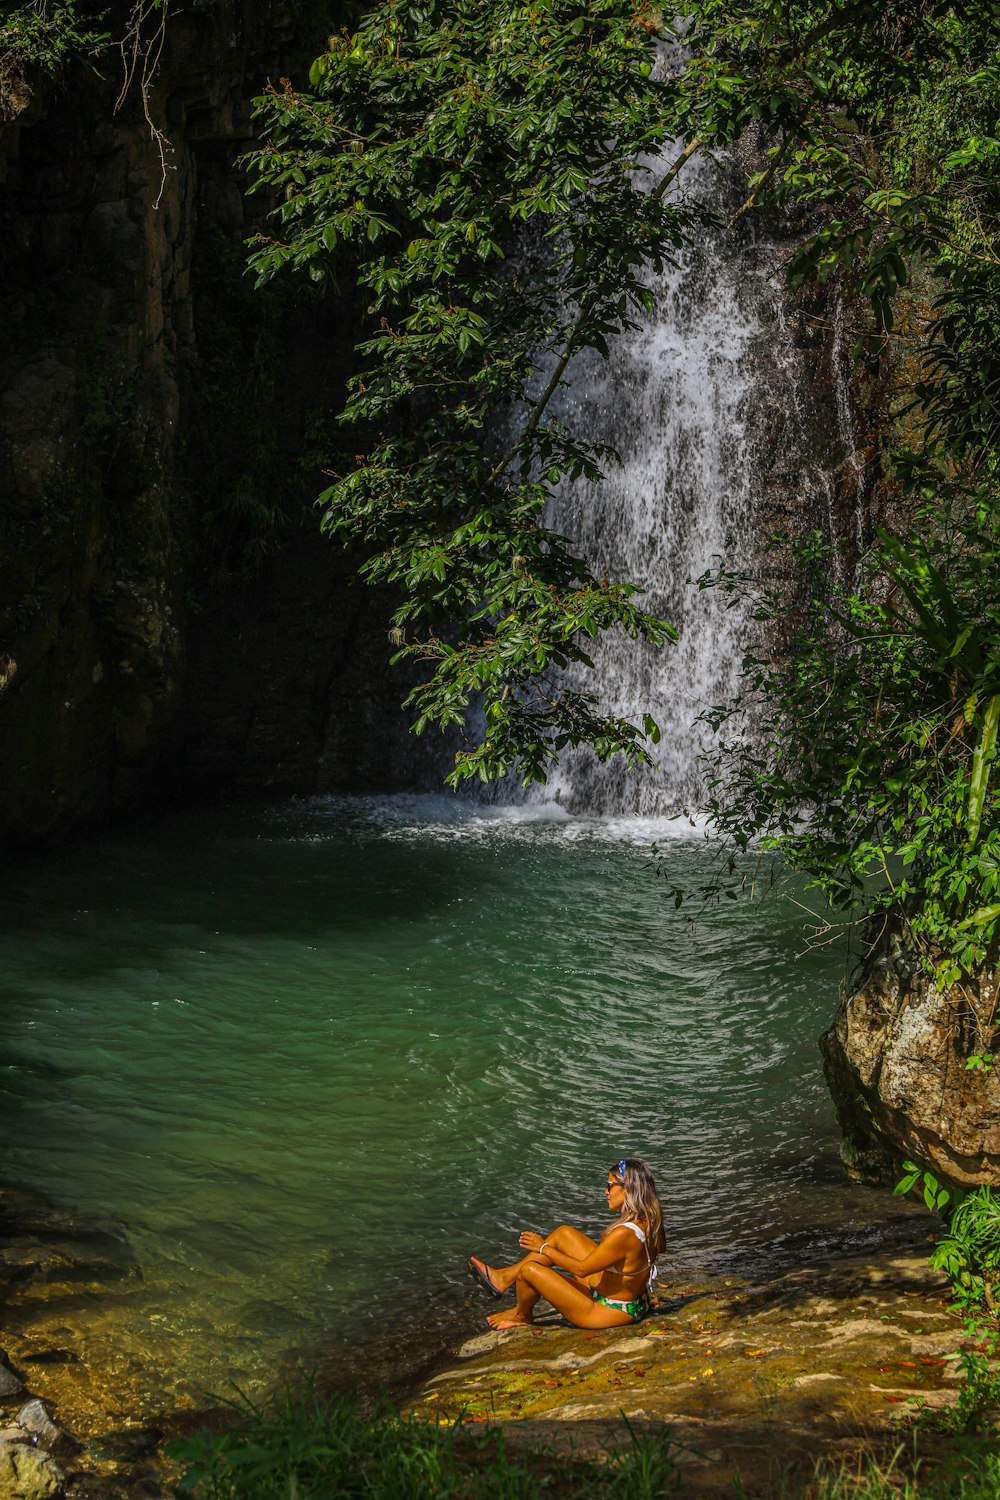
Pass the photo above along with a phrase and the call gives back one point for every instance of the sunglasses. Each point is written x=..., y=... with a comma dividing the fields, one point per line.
x=609, y=1185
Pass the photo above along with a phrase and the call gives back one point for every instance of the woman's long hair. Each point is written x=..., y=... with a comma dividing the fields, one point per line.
x=641, y=1202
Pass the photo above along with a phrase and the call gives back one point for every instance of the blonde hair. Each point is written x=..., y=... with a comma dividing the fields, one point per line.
x=640, y=1203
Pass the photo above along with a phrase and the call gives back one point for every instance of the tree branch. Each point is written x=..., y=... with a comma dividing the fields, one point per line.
x=686, y=154
x=572, y=343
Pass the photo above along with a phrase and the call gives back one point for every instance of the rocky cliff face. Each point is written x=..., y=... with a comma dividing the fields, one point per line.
x=896, y=1061
x=153, y=416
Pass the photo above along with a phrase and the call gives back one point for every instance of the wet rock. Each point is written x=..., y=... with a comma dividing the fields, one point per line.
x=35, y=1419
x=28, y=1215
x=127, y=1445
x=27, y=1474
x=10, y=1384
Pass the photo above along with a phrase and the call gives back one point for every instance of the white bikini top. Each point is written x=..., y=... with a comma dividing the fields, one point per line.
x=631, y=1224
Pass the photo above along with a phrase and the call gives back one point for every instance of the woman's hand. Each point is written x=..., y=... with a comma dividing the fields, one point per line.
x=530, y=1240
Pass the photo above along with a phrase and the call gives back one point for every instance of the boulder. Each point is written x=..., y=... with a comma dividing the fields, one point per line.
x=897, y=1063
x=27, y=1474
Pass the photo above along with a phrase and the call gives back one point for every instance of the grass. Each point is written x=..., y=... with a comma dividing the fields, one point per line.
x=306, y=1448
x=970, y=1471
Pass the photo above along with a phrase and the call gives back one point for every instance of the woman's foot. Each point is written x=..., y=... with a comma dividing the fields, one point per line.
x=485, y=1276
x=511, y=1319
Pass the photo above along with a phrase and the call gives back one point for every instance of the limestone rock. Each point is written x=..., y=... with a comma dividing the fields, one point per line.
x=751, y=1377
x=896, y=1062
x=27, y=1474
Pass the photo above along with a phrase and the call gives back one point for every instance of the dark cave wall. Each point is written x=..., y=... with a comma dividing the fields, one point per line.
x=155, y=491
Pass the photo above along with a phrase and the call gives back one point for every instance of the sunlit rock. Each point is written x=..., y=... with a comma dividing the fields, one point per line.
x=28, y=1474
x=897, y=1062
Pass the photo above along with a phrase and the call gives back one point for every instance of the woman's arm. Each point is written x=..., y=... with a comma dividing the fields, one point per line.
x=606, y=1254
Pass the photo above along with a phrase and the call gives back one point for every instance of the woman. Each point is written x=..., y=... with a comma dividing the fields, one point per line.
x=607, y=1282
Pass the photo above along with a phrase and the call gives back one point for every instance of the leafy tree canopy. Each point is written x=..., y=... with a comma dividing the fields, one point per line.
x=479, y=165
x=497, y=177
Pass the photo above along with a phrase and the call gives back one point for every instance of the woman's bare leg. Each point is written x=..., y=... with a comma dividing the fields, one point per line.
x=520, y=1315
x=563, y=1237
x=567, y=1297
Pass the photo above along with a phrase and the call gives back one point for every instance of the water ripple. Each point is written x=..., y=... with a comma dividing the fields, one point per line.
x=265, y=1039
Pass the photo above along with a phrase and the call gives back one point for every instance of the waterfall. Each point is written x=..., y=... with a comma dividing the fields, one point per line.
x=723, y=437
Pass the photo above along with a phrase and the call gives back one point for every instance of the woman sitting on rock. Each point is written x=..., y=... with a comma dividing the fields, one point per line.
x=607, y=1282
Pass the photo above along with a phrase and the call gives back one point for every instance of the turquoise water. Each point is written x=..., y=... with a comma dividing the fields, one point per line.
x=313, y=1055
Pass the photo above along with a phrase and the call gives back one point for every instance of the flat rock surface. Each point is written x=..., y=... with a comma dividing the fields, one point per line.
x=752, y=1378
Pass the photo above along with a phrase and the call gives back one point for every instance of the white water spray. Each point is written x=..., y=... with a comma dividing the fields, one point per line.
x=712, y=406
x=672, y=398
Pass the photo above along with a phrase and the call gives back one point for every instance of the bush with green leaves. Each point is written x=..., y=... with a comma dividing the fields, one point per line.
x=38, y=39
x=873, y=771
x=969, y=1254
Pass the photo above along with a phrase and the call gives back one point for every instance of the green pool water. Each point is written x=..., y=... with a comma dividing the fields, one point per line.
x=312, y=1055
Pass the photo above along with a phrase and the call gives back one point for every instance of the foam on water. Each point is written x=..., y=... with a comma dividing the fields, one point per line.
x=438, y=816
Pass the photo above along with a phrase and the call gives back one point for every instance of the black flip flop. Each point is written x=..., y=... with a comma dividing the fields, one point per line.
x=482, y=1278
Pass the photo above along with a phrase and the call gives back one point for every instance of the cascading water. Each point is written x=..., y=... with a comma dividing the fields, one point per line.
x=691, y=401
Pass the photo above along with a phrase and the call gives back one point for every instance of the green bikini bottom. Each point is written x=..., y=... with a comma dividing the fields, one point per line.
x=636, y=1310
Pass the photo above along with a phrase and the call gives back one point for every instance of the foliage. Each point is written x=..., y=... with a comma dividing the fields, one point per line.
x=935, y=1195
x=37, y=40
x=309, y=1449
x=874, y=769
x=969, y=1255
x=497, y=228
x=313, y=1450
x=970, y=1251
x=478, y=162
x=970, y=1472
